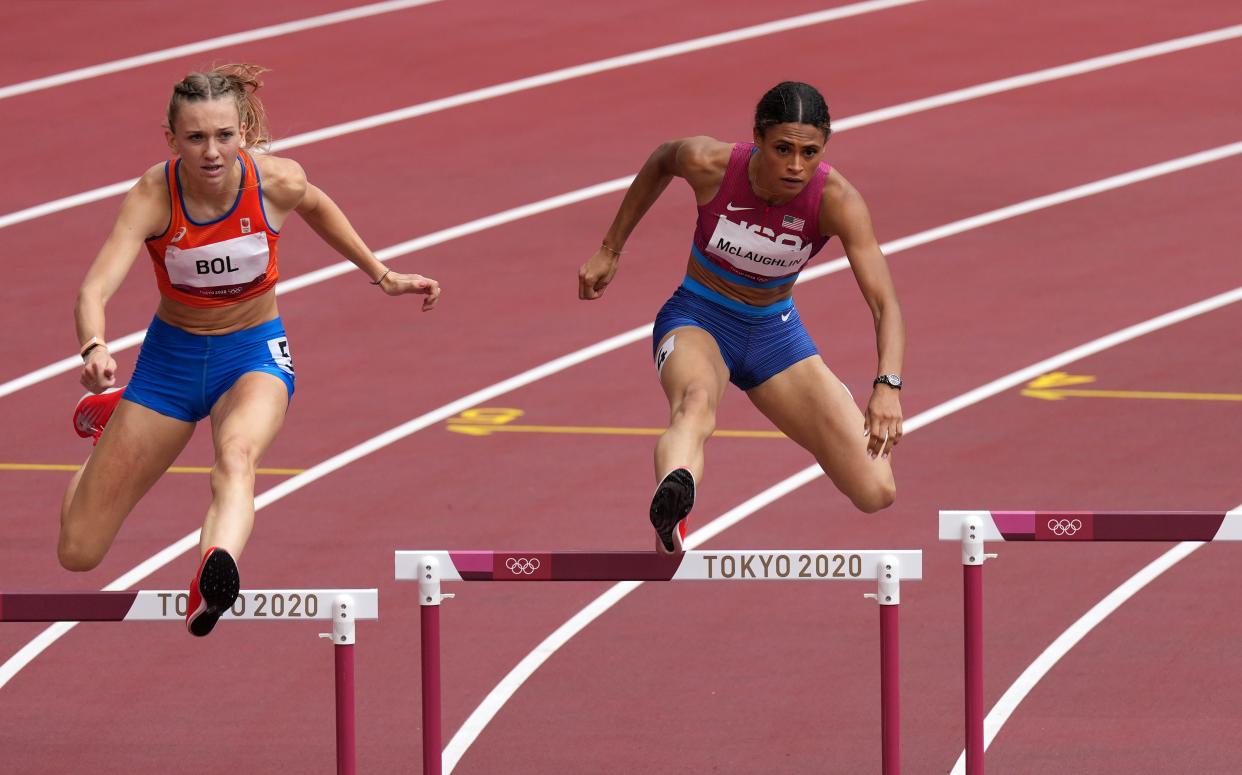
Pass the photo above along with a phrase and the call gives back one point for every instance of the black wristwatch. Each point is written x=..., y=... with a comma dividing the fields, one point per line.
x=892, y=380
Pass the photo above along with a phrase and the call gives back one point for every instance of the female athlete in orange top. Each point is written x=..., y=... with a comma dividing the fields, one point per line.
x=210, y=219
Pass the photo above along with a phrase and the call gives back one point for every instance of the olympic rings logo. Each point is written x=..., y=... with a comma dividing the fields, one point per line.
x=522, y=565
x=1064, y=527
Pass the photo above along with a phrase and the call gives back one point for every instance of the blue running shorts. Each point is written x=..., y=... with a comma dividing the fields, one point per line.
x=182, y=375
x=756, y=343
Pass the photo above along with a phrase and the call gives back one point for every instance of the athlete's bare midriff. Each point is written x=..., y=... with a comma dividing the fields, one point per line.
x=213, y=321
x=755, y=297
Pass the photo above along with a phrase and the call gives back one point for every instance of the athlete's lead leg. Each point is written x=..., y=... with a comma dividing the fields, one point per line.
x=244, y=422
x=694, y=377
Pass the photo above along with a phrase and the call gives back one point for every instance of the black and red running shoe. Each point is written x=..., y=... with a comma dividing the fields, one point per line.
x=212, y=592
x=670, y=506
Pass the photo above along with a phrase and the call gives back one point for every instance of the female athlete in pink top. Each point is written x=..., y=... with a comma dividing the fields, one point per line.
x=764, y=211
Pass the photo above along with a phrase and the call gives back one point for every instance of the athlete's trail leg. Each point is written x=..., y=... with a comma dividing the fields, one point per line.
x=810, y=405
x=136, y=448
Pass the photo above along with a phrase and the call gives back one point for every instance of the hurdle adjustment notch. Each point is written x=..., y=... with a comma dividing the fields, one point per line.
x=343, y=621
x=429, y=581
x=888, y=572
x=972, y=542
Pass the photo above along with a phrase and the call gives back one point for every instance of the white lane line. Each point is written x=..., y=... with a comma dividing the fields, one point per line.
x=618, y=184
x=1062, y=71
x=593, y=68
x=210, y=44
x=492, y=92
x=498, y=696
x=14, y=664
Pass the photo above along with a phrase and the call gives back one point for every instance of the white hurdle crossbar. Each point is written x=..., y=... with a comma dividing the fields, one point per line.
x=342, y=607
x=971, y=529
x=885, y=567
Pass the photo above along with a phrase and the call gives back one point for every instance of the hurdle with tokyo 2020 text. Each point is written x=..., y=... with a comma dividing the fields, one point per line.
x=802, y=566
x=289, y=605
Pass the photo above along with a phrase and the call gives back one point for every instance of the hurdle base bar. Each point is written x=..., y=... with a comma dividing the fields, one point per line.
x=888, y=596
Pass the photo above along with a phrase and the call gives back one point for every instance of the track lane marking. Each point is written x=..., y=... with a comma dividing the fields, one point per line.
x=234, y=39
x=172, y=470
x=954, y=97
x=493, y=92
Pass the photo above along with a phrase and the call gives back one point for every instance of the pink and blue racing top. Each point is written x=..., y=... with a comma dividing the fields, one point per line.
x=747, y=241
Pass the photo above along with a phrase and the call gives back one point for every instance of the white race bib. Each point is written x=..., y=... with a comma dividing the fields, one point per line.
x=221, y=269
x=755, y=253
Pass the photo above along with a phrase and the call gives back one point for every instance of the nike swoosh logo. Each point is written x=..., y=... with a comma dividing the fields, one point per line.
x=785, y=317
x=733, y=209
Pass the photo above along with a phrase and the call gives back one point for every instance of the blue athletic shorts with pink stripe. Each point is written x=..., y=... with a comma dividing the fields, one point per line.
x=757, y=343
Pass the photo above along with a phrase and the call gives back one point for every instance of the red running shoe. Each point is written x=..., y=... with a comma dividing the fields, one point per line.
x=670, y=506
x=212, y=592
x=92, y=412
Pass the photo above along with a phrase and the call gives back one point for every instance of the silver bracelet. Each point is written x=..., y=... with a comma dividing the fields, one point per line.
x=381, y=279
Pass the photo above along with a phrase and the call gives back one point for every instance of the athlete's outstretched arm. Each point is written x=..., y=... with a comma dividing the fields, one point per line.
x=692, y=158
x=845, y=214
x=289, y=184
x=143, y=213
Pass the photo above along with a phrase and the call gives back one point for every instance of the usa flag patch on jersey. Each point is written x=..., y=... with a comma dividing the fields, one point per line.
x=790, y=222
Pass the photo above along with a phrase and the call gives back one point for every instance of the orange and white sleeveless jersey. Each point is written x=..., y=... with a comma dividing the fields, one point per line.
x=220, y=262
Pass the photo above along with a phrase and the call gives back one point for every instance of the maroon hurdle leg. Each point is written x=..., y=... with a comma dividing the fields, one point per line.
x=343, y=636
x=973, y=558
x=429, y=598
x=889, y=598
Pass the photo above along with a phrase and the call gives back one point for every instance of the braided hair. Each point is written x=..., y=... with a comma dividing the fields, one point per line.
x=792, y=102
x=239, y=81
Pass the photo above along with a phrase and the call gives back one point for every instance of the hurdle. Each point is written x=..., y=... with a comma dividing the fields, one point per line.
x=973, y=528
x=342, y=606
x=886, y=567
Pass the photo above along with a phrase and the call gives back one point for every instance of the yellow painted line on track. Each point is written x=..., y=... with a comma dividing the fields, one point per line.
x=473, y=429
x=486, y=420
x=1054, y=386
x=1057, y=395
x=173, y=470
